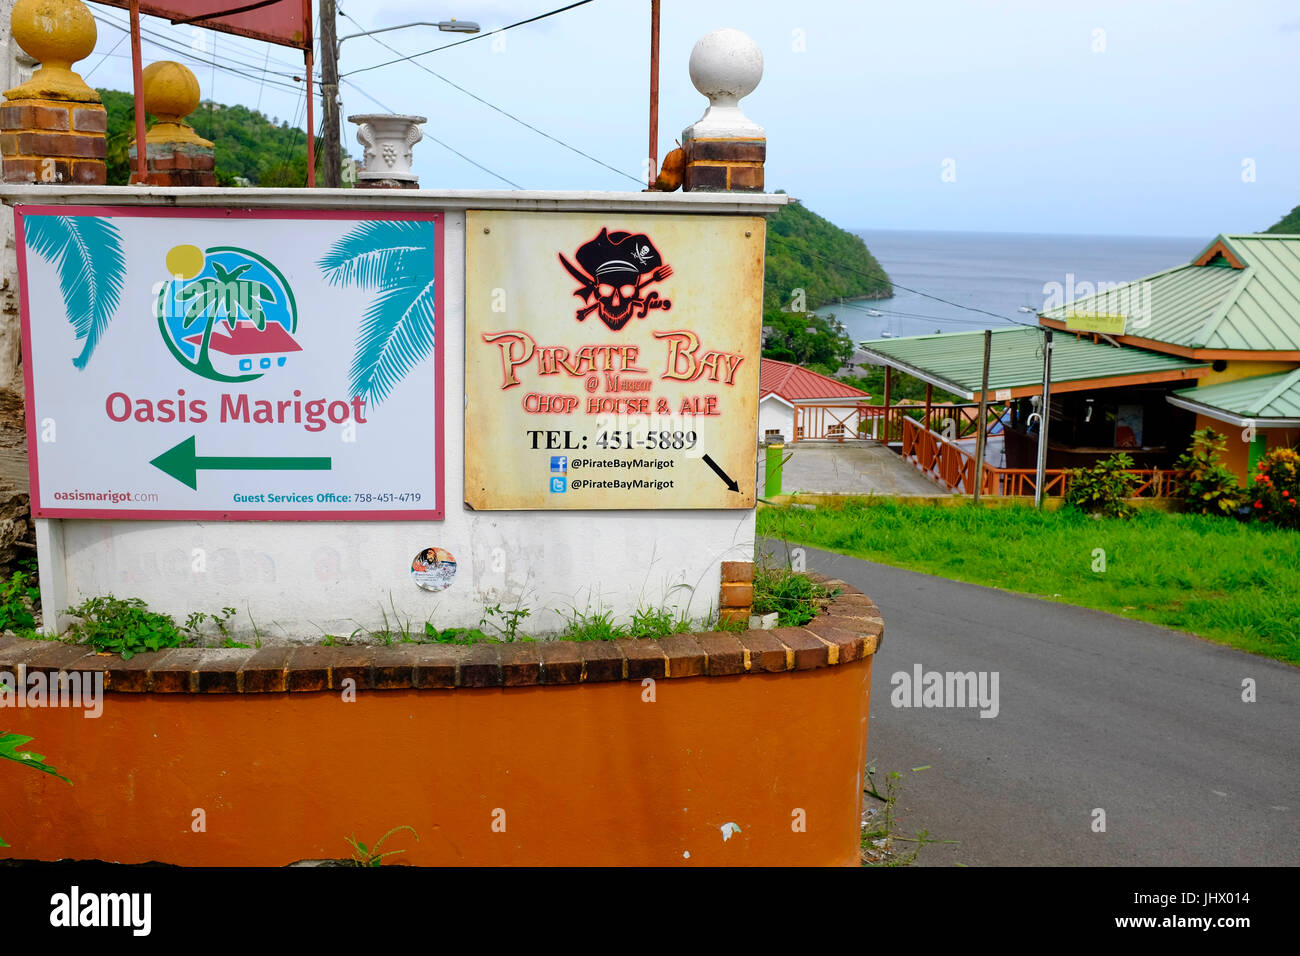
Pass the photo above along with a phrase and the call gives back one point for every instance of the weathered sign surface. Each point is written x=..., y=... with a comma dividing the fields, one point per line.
x=611, y=361
x=232, y=364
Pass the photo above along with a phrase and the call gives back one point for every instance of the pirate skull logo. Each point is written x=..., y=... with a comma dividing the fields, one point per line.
x=613, y=272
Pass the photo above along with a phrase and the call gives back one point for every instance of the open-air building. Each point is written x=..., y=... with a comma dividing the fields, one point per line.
x=1136, y=368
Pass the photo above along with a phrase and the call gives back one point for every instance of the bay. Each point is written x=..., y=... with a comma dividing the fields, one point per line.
x=997, y=273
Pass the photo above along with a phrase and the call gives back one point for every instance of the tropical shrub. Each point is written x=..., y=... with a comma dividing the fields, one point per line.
x=1104, y=488
x=1275, y=487
x=1208, y=486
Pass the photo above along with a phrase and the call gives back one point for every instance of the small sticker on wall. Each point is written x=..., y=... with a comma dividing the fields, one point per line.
x=433, y=569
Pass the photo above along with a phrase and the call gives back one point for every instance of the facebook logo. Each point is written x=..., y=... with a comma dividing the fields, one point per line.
x=559, y=484
x=560, y=464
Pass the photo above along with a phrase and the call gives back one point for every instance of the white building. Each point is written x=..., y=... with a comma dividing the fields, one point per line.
x=784, y=385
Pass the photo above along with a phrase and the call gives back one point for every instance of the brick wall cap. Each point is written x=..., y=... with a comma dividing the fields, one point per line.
x=828, y=640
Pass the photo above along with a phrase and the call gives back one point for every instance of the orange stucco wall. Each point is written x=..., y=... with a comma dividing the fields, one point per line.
x=585, y=774
x=1236, y=453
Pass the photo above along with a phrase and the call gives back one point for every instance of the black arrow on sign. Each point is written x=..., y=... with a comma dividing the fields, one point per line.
x=721, y=474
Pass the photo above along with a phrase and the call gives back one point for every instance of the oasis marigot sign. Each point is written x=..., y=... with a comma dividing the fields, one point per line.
x=232, y=364
x=611, y=361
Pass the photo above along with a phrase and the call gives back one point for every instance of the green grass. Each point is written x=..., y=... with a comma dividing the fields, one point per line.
x=1231, y=583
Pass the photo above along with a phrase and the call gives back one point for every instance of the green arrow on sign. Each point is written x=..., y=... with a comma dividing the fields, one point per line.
x=184, y=464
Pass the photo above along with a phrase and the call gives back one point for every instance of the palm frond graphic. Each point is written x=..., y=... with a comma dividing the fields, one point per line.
x=397, y=332
x=87, y=252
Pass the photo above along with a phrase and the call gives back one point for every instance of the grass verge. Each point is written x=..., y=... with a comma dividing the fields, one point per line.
x=1234, y=584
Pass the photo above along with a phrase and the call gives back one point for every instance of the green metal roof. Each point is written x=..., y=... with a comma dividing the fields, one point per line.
x=1262, y=399
x=955, y=361
x=1213, y=306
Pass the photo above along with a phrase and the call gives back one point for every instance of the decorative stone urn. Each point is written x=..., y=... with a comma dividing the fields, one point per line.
x=387, y=139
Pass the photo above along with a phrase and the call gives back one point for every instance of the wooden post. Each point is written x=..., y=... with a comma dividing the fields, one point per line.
x=929, y=394
x=653, y=154
x=141, y=174
x=984, y=406
x=885, y=431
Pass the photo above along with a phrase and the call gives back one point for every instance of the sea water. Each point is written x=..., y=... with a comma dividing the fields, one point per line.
x=997, y=273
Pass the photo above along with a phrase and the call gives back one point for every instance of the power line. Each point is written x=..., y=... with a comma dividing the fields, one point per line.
x=505, y=113
x=197, y=59
x=478, y=36
x=445, y=146
x=119, y=42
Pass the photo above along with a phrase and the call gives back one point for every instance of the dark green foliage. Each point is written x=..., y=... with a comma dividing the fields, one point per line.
x=248, y=144
x=1104, y=487
x=1209, y=487
x=805, y=251
x=18, y=599
x=824, y=349
x=810, y=262
x=125, y=626
x=1290, y=223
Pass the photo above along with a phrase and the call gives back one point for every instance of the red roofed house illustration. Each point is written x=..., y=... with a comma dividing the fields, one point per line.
x=253, y=347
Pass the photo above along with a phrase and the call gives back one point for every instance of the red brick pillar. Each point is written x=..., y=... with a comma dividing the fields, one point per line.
x=175, y=155
x=52, y=128
x=736, y=602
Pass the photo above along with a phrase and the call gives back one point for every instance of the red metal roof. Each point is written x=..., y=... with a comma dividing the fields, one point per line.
x=795, y=383
x=245, y=339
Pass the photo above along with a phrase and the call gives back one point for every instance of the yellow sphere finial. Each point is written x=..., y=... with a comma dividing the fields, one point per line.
x=58, y=33
x=171, y=93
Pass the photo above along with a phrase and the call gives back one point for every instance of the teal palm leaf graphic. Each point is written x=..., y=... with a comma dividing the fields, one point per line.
x=397, y=331
x=87, y=252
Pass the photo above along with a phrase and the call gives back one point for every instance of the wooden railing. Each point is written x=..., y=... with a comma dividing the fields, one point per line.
x=954, y=468
x=877, y=423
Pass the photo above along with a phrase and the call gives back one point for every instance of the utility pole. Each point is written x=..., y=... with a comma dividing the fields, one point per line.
x=653, y=154
x=329, y=89
x=1044, y=415
x=984, y=411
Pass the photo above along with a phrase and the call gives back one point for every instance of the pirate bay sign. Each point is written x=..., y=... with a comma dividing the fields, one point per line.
x=643, y=394
x=232, y=364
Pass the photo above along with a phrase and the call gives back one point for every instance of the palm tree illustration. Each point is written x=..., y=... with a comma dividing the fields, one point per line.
x=225, y=295
x=87, y=253
x=398, y=329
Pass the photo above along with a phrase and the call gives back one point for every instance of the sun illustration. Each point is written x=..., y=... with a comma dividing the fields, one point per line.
x=185, y=261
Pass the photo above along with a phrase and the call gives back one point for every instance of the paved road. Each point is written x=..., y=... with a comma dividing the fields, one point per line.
x=1095, y=711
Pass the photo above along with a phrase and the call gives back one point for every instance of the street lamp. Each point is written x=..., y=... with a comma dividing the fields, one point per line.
x=446, y=26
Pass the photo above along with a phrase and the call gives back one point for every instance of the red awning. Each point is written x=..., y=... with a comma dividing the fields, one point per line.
x=284, y=22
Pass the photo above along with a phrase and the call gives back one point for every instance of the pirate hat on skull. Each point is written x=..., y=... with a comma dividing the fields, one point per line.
x=618, y=257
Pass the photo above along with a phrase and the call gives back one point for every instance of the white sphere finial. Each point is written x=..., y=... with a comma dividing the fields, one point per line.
x=725, y=66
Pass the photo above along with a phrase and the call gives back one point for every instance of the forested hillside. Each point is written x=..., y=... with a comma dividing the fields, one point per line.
x=1290, y=223
x=265, y=151
x=805, y=251
x=812, y=262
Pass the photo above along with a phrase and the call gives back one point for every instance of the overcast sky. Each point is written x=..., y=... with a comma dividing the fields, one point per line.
x=1135, y=117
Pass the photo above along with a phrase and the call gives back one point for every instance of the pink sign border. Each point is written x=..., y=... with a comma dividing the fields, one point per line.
x=33, y=445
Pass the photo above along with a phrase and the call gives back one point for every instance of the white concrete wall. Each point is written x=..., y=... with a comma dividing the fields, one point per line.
x=301, y=580
x=775, y=414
